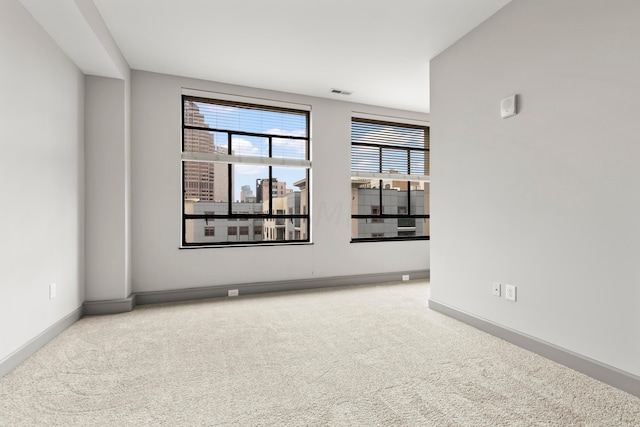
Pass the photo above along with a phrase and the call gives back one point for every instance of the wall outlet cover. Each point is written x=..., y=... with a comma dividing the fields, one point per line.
x=233, y=293
x=510, y=292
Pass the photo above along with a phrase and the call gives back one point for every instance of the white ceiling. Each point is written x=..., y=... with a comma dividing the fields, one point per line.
x=378, y=49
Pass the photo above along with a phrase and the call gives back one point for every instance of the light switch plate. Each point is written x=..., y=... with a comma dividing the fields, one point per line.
x=508, y=106
x=496, y=289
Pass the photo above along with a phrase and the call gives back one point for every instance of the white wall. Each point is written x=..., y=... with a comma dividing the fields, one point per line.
x=107, y=189
x=159, y=264
x=547, y=200
x=41, y=175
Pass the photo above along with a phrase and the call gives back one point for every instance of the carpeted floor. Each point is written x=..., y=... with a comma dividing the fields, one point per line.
x=356, y=356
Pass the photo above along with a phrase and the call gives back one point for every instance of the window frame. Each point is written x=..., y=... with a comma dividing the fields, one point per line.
x=230, y=159
x=408, y=177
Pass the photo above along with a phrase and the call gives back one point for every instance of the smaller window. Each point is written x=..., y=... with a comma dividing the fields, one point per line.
x=377, y=235
x=375, y=210
x=244, y=231
x=257, y=230
x=209, y=231
x=232, y=231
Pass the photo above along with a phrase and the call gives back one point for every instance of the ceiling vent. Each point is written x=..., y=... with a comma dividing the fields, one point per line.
x=341, y=92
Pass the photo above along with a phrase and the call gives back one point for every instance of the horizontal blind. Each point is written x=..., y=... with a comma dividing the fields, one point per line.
x=389, y=148
x=239, y=132
x=243, y=117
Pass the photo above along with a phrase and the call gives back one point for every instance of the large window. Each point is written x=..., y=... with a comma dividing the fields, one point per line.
x=245, y=173
x=389, y=181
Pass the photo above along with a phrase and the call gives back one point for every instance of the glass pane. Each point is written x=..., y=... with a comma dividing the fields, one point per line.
x=422, y=227
x=368, y=228
x=289, y=148
x=284, y=229
x=364, y=196
x=394, y=161
x=206, y=182
x=194, y=115
x=419, y=159
x=243, y=145
x=398, y=134
x=248, y=183
x=365, y=159
x=222, y=230
x=247, y=118
x=203, y=141
x=419, y=198
x=289, y=191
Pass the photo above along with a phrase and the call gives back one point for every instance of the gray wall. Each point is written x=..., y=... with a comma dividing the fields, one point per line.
x=41, y=176
x=159, y=264
x=546, y=200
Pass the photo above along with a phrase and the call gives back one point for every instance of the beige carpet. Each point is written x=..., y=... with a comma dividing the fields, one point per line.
x=356, y=356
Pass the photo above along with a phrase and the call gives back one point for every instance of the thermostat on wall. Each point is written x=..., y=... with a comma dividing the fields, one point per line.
x=508, y=107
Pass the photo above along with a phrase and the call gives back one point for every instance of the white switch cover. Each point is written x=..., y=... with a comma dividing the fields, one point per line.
x=496, y=289
x=508, y=107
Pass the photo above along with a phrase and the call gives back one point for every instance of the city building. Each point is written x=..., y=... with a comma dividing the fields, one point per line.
x=222, y=229
x=365, y=200
x=205, y=181
x=278, y=189
x=246, y=194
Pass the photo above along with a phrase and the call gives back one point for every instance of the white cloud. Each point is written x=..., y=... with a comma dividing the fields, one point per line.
x=243, y=147
x=251, y=170
x=288, y=147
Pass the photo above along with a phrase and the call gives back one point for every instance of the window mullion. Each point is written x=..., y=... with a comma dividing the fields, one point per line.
x=229, y=176
x=408, y=197
x=270, y=190
x=380, y=196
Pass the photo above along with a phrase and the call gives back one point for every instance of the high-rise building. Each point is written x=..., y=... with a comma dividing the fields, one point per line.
x=207, y=182
x=278, y=189
x=246, y=194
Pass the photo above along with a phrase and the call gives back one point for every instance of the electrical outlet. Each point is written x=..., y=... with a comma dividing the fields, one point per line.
x=510, y=292
x=497, y=289
x=232, y=293
x=405, y=277
x=52, y=290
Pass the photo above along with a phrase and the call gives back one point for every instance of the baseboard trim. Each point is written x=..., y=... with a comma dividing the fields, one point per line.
x=23, y=353
x=607, y=374
x=113, y=306
x=156, y=297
